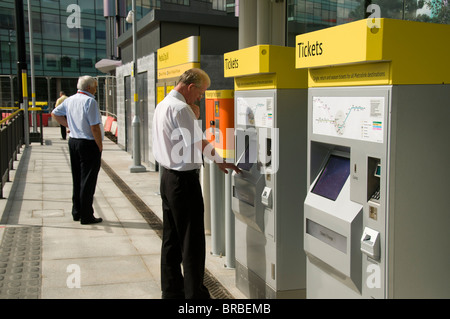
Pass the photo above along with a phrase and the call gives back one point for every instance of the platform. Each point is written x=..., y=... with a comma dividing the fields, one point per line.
x=44, y=254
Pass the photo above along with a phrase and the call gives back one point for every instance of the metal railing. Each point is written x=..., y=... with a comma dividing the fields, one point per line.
x=11, y=140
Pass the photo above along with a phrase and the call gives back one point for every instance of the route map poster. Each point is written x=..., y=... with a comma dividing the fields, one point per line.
x=358, y=118
x=255, y=111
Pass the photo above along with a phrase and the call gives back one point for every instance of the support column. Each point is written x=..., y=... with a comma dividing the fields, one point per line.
x=247, y=23
x=263, y=22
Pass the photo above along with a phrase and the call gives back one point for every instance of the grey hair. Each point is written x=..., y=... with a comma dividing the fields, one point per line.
x=195, y=76
x=85, y=81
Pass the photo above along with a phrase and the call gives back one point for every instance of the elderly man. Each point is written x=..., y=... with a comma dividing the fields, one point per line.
x=80, y=113
x=178, y=146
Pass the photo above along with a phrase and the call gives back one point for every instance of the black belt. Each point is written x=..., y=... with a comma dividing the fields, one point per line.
x=188, y=172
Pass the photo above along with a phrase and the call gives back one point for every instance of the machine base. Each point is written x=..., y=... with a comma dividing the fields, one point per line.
x=254, y=287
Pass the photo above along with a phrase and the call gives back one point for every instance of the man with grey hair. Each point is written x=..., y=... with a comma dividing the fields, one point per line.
x=175, y=125
x=80, y=113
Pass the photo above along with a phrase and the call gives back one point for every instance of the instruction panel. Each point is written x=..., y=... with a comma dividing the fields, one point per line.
x=359, y=118
x=255, y=111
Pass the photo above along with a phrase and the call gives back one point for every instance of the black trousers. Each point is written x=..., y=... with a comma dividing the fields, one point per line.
x=85, y=160
x=63, y=132
x=183, y=236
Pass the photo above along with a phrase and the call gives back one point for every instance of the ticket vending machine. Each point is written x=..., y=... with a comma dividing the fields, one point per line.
x=219, y=116
x=270, y=149
x=219, y=113
x=376, y=213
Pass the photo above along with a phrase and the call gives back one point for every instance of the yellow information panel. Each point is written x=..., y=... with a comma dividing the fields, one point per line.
x=178, y=57
x=264, y=67
x=395, y=52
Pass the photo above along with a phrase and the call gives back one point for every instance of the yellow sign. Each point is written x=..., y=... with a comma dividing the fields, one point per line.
x=264, y=66
x=413, y=52
x=174, y=59
x=219, y=94
x=256, y=82
x=176, y=71
x=343, y=44
x=159, y=94
x=358, y=74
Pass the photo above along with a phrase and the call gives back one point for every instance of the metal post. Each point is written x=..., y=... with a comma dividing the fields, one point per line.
x=217, y=211
x=48, y=93
x=136, y=167
x=229, y=225
x=20, y=45
x=25, y=108
x=11, y=83
x=33, y=91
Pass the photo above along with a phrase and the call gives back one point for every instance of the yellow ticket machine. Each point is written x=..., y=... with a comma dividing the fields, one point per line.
x=376, y=213
x=270, y=149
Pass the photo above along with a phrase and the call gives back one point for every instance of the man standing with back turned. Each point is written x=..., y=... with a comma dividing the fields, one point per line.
x=177, y=146
x=81, y=115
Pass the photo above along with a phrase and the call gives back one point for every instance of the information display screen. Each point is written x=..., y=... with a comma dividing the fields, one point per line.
x=333, y=177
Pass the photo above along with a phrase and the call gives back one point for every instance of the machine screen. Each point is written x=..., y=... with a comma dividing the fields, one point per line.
x=333, y=177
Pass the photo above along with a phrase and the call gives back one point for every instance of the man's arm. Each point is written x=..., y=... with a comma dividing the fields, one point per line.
x=60, y=119
x=97, y=132
x=220, y=162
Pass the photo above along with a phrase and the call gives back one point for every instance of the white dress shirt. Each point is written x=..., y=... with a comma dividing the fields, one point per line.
x=177, y=136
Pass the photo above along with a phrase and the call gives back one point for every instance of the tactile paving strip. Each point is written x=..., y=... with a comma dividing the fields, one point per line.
x=20, y=263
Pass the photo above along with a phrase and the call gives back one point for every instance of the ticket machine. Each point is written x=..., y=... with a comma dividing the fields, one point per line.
x=376, y=213
x=270, y=149
x=219, y=115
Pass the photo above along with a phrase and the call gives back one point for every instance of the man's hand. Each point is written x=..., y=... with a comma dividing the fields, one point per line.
x=196, y=109
x=224, y=166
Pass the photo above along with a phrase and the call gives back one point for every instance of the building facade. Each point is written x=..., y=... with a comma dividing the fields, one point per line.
x=69, y=37
x=169, y=22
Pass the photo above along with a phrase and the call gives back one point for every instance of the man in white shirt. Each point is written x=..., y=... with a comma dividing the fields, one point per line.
x=80, y=113
x=178, y=145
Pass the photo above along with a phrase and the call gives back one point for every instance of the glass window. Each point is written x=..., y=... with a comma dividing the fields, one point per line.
x=69, y=34
x=87, y=6
x=310, y=15
x=87, y=60
x=51, y=27
x=100, y=32
x=54, y=4
x=51, y=61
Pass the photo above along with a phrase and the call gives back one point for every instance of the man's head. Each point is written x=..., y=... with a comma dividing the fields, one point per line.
x=192, y=84
x=87, y=83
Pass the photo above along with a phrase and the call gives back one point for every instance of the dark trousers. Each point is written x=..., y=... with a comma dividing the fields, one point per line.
x=85, y=160
x=183, y=236
x=63, y=131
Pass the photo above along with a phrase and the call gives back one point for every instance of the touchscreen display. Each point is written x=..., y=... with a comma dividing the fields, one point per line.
x=333, y=177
